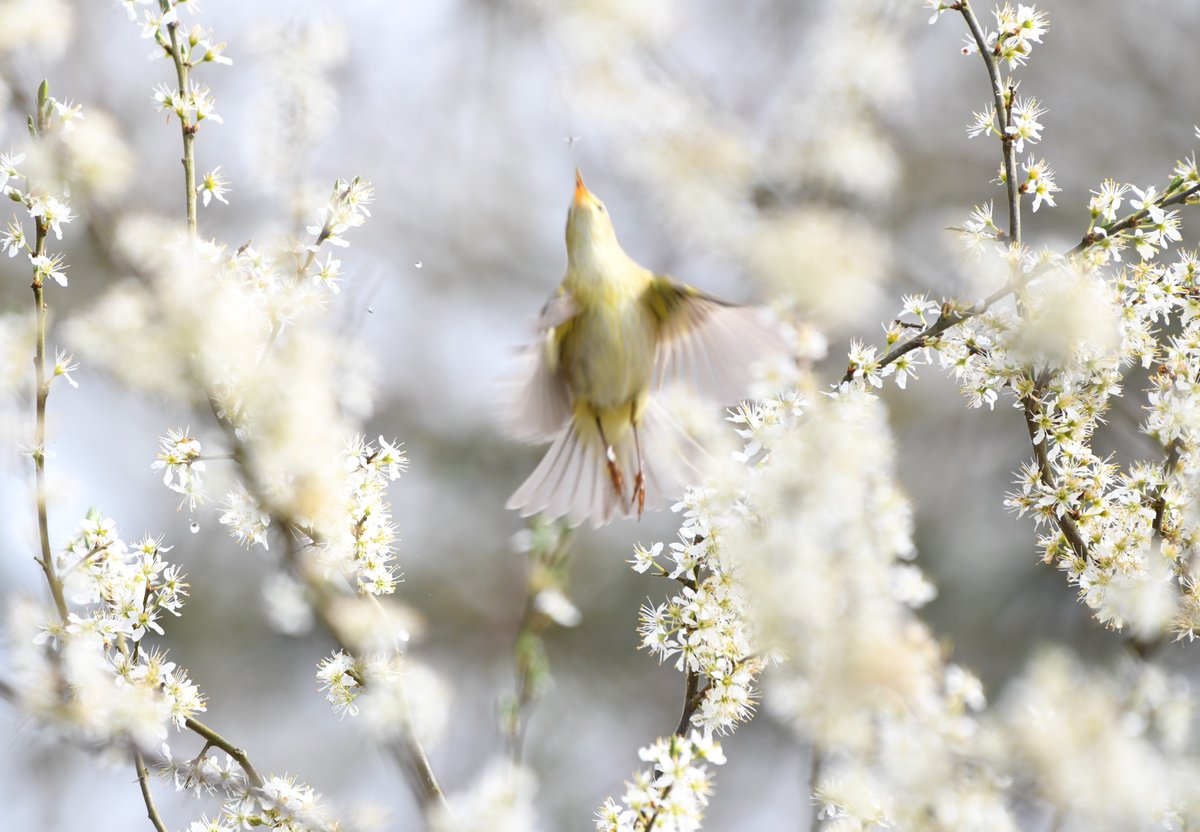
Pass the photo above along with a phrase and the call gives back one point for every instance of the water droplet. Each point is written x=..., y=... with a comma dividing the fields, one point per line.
x=418, y=264
x=195, y=527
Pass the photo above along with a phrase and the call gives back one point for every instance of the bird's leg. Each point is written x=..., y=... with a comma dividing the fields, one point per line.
x=639, y=481
x=614, y=468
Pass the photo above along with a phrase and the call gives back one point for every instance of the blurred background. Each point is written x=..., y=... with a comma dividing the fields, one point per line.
x=806, y=153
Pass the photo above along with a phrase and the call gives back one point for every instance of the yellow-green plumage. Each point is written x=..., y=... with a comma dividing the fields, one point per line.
x=613, y=332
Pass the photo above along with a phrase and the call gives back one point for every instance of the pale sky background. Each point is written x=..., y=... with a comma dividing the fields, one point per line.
x=457, y=111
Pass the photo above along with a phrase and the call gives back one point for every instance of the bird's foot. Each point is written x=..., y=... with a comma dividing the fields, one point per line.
x=639, y=492
x=614, y=471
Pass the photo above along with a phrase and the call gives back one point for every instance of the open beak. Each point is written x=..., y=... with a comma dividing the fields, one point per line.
x=581, y=191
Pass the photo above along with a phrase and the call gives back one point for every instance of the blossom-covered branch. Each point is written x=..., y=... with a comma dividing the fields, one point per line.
x=1017, y=32
x=190, y=103
x=1062, y=354
x=368, y=653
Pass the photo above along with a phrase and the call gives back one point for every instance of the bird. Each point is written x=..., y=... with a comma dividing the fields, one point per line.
x=611, y=337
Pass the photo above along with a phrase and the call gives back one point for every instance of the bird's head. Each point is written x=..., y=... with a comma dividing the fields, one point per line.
x=588, y=223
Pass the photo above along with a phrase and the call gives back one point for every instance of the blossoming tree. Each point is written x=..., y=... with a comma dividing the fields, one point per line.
x=793, y=570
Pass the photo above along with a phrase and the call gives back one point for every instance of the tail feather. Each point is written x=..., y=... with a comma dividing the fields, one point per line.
x=565, y=500
x=563, y=473
x=573, y=480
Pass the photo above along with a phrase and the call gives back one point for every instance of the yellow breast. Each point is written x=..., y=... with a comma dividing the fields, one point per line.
x=606, y=352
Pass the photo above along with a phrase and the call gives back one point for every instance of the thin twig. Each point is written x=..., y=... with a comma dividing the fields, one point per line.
x=1066, y=523
x=411, y=757
x=525, y=650
x=216, y=740
x=95, y=550
x=196, y=761
x=816, y=763
x=41, y=311
x=188, y=130
x=948, y=318
x=692, y=698
x=661, y=802
x=147, y=795
x=46, y=558
x=1127, y=222
x=1002, y=100
x=1174, y=452
x=547, y=562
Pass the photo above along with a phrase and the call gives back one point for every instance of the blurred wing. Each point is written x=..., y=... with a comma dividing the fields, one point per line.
x=558, y=310
x=708, y=343
x=536, y=403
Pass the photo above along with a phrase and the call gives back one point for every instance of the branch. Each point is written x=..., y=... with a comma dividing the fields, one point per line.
x=1132, y=220
x=692, y=698
x=214, y=739
x=695, y=694
x=1174, y=452
x=1066, y=523
x=547, y=560
x=188, y=130
x=147, y=796
x=947, y=319
x=529, y=663
x=1030, y=403
x=1002, y=97
x=407, y=749
x=950, y=318
x=211, y=737
x=46, y=558
x=410, y=756
x=815, y=766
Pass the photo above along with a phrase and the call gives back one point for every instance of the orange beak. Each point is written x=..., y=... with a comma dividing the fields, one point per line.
x=581, y=191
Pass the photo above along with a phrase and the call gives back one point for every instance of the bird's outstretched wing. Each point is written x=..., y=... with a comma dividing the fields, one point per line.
x=535, y=401
x=708, y=343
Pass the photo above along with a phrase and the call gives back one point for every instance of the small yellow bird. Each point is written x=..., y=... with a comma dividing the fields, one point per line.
x=611, y=334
